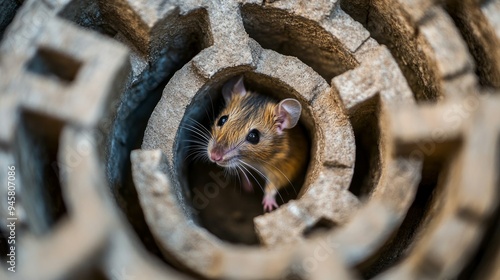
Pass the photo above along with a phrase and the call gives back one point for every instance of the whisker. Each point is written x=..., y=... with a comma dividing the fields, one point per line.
x=196, y=149
x=293, y=187
x=201, y=125
x=195, y=145
x=267, y=179
x=197, y=133
x=196, y=124
x=201, y=144
x=194, y=154
x=212, y=104
x=244, y=174
x=199, y=152
x=206, y=112
x=238, y=174
x=230, y=171
x=226, y=172
x=253, y=178
x=196, y=129
x=194, y=141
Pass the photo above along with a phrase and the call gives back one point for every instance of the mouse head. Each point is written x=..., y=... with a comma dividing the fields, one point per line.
x=251, y=127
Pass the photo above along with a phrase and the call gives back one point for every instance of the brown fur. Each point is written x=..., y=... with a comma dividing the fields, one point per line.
x=274, y=153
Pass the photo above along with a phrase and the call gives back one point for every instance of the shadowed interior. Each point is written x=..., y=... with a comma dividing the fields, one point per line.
x=296, y=36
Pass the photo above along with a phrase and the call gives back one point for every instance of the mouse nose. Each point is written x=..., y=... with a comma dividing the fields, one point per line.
x=216, y=155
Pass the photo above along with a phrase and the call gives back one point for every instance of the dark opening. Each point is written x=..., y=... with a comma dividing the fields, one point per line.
x=54, y=64
x=223, y=207
x=473, y=28
x=380, y=18
x=123, y=185
x=287, y=34
x=321, y=226
x=8, y=10
x=4, y=246
x=294, y=275
x=87, y=14
x=481, y=264
x=426, y=203
x=95, y=273
x=365, y=123
x=37, y=150
x=138, y=102
x=396, y=248
x=358, y=10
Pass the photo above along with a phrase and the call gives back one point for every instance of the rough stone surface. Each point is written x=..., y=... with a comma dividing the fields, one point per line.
x=200, y=251
x=350, y=33
x=448, y=48
x=426, y=53
x=418, y=10
x=8, y=104
x=52, y=93
x=478, y=23
x=378, y=75
x=313, y=44
x=336, y=131
x=303, y=79
x=224, y=23
x=433, y=123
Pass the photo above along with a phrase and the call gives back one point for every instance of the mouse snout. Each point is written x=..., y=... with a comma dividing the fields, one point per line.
x=216, y=154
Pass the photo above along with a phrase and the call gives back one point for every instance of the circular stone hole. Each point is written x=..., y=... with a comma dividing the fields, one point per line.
x=220, y=203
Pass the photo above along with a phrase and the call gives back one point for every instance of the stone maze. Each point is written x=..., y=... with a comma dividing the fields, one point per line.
x=401, y=107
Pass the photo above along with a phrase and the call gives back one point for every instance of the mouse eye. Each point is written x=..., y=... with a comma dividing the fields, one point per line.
x=222, y=121
x=253, y=136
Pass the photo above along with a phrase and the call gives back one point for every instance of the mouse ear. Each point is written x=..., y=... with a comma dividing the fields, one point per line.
x=287, y=114
x=232, y=87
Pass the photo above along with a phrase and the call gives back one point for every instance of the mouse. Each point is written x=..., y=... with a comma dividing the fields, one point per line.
x=255, y=133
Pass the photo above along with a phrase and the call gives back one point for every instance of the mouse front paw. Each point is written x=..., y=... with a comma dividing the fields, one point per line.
x=269, y=203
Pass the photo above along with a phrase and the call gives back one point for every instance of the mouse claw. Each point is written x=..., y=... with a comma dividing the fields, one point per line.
x=269, y=203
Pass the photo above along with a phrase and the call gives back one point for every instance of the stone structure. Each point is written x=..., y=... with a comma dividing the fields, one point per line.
x=400, y=98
